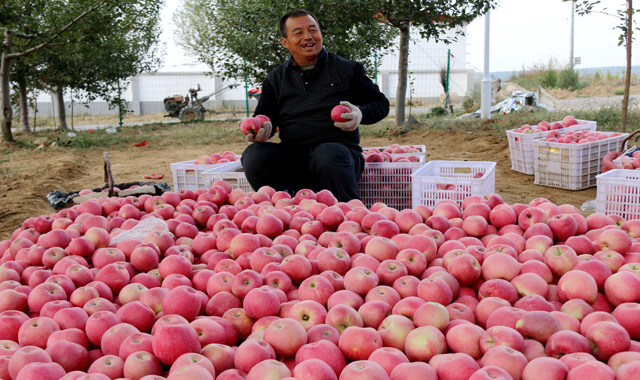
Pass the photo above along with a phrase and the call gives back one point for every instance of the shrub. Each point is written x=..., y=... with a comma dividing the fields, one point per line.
x=472, y=101
x=549, y=78
x=568, y=79
x=438, y=111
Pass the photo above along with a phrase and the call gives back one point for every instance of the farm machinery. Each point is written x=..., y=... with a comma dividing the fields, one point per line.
x=190, y=107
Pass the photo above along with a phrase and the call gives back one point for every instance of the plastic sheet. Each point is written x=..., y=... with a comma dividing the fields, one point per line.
x=141, y=230
x=516, y=101
x=58, y=199
x=589, y=205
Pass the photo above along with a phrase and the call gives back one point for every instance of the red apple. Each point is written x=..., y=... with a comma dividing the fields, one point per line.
x=337, y=111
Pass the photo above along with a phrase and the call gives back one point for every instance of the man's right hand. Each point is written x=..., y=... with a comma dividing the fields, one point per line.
x=262, y=135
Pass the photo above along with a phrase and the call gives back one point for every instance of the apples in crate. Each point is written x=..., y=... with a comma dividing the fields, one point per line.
x=578, y=137
x=544, y=126
x=216, y=158
x=390, y=155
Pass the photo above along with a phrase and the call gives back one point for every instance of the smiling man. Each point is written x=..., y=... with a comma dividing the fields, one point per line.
x=315, y=152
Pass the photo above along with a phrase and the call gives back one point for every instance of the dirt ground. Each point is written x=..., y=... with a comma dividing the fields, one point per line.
x=26, y=176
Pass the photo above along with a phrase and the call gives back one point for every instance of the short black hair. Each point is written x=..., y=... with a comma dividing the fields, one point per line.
x=294, y=13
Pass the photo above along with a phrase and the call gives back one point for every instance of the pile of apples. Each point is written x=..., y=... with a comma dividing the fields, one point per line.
x=216, y=158
x=544, y=126
x=579, y=137
x=263, y=285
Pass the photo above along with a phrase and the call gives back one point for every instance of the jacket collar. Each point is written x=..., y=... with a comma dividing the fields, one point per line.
x=321, y=58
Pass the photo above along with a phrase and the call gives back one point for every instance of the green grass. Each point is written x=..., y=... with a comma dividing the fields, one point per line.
x=157, y=134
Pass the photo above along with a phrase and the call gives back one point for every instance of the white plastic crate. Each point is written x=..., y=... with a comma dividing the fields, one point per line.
x=521, y=145
x=187, y=175
x=454, y=180
x=388, y=182
x=231, y=173
x=619, y=193
x=572, y=166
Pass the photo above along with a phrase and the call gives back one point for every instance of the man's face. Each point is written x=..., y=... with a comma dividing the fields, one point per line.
x=304, y=39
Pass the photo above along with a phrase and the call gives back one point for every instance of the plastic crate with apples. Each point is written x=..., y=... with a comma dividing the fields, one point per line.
x=452, y=180
x=573, y=166
x=187, y=175
x=521, y=141
x=231, y=173
x=619, y=193
x=388, y=182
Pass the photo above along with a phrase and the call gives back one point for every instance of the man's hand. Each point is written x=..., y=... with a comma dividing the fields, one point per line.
x=355, y=117
x=262, y=135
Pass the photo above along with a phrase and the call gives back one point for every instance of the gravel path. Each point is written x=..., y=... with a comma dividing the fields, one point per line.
x=589, y=103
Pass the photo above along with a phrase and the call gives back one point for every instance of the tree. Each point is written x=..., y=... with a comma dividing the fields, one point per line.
x=626, y=26
x=30, y=27
x=192, y=31
x=128, y=39
x=240, y=37
x=439, y=20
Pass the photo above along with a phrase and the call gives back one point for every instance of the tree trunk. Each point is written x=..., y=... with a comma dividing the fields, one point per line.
x=5, y=101
x=403, y=69
x=23, y=102
x=627, y=79
x=62, y=112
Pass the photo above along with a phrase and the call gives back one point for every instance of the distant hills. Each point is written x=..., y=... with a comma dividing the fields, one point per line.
x=505, y=75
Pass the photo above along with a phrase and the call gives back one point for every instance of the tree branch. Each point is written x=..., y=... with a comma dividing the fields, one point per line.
x=58, y=33
x=25, y=36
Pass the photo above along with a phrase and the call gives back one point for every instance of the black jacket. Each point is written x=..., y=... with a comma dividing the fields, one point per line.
x=299, y=103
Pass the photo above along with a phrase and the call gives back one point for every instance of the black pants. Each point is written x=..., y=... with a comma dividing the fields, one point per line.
x=331, y=166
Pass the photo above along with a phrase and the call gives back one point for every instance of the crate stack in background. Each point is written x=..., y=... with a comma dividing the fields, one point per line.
x=521, y=141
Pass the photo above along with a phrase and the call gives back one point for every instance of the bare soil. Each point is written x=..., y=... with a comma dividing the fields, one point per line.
x=27, y=176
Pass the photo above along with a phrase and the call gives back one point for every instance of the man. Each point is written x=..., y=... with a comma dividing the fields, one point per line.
x=298, y=96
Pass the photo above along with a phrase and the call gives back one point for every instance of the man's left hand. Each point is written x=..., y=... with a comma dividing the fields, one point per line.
x=355, y=117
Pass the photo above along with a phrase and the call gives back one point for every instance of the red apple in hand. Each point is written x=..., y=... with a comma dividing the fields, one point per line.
x=262, y=118
x=250, y=125
x=337, y=111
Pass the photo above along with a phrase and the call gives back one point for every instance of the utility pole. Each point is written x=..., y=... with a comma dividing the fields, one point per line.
x=573, y=7
x=485, y=94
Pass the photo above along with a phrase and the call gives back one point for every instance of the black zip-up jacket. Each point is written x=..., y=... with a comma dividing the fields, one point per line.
x=299, y=102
